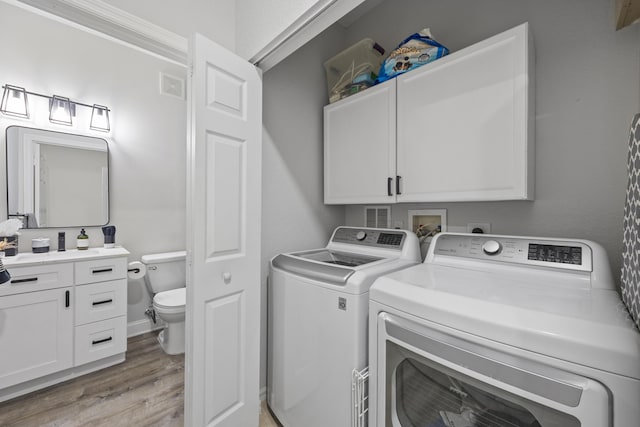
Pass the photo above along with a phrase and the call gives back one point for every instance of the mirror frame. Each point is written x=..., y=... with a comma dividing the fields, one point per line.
x=57, y=133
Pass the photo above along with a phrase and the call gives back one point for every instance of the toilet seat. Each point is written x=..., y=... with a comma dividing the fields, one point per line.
x=173, y=300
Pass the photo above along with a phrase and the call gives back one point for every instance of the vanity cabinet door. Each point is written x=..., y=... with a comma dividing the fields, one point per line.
x=36, y=335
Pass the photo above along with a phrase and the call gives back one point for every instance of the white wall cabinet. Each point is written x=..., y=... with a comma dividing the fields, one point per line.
x=63, y=314
x=360, y=147
x=464, y=130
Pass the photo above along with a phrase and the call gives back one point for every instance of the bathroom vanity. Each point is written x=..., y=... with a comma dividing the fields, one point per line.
x=62, y=315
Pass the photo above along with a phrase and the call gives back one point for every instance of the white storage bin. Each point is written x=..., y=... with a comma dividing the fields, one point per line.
x=347, y=69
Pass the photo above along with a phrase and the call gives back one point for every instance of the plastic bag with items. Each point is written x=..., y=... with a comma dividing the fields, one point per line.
x=415, y=51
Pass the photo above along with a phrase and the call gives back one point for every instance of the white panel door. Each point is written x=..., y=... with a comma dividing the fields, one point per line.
x=223, y=238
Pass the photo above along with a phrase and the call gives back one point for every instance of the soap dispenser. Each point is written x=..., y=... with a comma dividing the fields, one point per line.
x=83, y=241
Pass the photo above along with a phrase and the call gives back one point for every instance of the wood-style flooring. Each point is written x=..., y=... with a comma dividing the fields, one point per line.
x=146, y=390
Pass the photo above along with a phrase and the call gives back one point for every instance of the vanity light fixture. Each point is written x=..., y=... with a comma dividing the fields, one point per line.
x=61, y=109
x=14, y=102
x=100, y=118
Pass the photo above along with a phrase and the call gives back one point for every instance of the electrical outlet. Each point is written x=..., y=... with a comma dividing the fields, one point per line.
x=484, y=226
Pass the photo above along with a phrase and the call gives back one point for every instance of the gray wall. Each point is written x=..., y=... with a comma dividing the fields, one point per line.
x=147, y=142
x=293, y=214
x=587, y=91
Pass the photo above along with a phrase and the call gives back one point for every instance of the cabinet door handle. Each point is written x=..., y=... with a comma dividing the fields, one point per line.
x=398, y=178
x=30, y=279
x=389, y=181
x=67, y=299
x=106, y=301
x=94, y=342
x=102, y=270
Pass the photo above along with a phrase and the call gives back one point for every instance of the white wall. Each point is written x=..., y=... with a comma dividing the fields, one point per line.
x=293, y=214
x=147, y=147
x=587, y=91
x=260, y=21
x=214, y=19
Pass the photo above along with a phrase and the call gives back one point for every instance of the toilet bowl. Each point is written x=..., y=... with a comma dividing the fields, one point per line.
x=165, y=279
x=170, y=307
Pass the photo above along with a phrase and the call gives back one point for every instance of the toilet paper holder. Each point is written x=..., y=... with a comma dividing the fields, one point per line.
x=136, y=270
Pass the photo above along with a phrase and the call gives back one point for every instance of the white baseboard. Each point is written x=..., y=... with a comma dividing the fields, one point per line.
x=139, y=327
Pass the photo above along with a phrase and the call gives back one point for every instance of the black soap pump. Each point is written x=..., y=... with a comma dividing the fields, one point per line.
x=61, y=243
x=82, y=241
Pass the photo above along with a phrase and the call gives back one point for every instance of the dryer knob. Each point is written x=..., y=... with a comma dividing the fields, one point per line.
x=361, y=235
x=492, y=247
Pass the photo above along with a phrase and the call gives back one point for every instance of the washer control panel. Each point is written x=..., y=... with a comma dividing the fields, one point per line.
x=389, y=239
x=570, y=254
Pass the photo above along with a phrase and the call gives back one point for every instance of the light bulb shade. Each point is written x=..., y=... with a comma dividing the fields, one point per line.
x=14, y=102
x=100, y=118
x=60, y=110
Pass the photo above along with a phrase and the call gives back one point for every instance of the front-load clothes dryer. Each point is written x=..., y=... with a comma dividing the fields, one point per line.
x=317, y=321
x=503, y=331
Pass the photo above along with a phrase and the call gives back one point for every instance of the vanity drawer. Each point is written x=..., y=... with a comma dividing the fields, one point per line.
x=100, y=301
x=101, y=270
x=100, y=339
x=37, y=278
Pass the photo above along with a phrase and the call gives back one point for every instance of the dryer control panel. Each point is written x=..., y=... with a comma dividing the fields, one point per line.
x=567, y=254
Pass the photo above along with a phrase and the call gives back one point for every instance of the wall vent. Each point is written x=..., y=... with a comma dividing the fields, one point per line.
x=377, y=216
x=171, y=86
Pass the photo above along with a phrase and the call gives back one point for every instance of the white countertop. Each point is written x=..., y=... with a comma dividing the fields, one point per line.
x=28, y=258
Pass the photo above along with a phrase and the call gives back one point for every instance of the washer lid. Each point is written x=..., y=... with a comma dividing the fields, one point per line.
x=544, y=313
x=171, y=299
x=337, y=258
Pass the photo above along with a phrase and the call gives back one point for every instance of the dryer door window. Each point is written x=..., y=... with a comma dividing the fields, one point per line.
x=430, y=378
x=427, y=394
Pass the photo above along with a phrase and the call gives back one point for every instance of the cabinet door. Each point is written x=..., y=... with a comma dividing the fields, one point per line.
x=463, y=124
x=359, y=147
x=36, y=335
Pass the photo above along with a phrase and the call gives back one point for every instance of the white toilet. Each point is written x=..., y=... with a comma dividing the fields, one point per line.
x=166, y=279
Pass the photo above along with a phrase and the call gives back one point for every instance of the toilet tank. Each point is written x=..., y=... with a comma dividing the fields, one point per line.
x=165, y=271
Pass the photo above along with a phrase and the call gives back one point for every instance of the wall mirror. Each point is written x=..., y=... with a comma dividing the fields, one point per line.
x=56, y=179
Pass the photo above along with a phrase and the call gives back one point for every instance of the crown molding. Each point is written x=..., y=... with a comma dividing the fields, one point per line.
x=104, y=18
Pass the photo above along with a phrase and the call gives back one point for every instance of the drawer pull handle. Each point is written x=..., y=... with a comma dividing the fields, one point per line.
x=103, y=270
x=94, y=342
x=30, y=279
x=106, y=301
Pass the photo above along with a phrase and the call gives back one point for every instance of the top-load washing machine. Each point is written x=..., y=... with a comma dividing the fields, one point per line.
x=503, y=331
x=317, y=321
